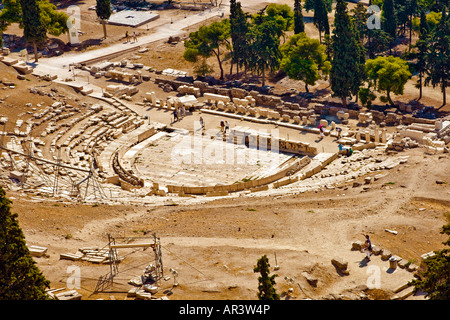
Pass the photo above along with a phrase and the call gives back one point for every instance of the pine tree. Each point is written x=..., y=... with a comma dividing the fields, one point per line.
x=345, y=73
x=438, y=55
x=299, y=24
x=34, y=29
x=435, y=279
x=266, y=290
x=20, y=277
x=103, y=10
x=304, y=59
x=388, y=74
x=209, y=41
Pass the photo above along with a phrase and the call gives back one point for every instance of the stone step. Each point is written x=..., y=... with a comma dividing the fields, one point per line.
x=9, y=61
x=403, y=294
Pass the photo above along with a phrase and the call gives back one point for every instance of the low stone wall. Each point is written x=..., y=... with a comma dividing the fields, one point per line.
x=250, y=185
x=125, y=176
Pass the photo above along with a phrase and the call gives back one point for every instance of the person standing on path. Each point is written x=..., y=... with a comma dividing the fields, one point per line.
x=368, y=247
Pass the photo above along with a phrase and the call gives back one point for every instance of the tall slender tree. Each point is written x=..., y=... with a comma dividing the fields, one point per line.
x=438, y=55
x=239, y=28
x=345, y=73
x=266, y=290
x=299, y=24
x=320, y=18
x=20, y=277
x=103, y=10
x=422, y=47
x=265, y=54
x=412, y=9
x=389, y=21
x=34, y=29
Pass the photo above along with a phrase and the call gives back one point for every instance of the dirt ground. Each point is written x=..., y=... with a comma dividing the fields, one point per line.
x=214, y=245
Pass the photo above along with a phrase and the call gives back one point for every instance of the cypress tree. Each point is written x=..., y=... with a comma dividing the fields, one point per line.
x=438, y=55
x=239, y=34
x=34, y=29
x=103, y=10
x=421, y=46
x=299, y=24
x=389, y=21
x=345, y=73
x=320, y=18
x=20, y=277
x=266, y=290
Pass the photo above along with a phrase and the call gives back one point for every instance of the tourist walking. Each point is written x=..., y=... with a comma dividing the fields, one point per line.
x=227, y=126
x=134, y=37
x=127, y=36
x=368, y=247
x=321, y=129
x=339, y=133
x=175, y=115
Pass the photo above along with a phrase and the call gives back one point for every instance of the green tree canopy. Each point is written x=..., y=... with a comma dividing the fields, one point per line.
x=388, y=74
x=54, y=21
x=432, y=19
x=103, y=10
x=239, y=27
x=209, y=41
x=389, y=20
x=438, y=56
x=309, y=5
x=304, y=59
x=346, y=74
x=266, y=290
x=435, y=279
x=265, y=52
x=33, y=25
x=20, y=277
x=320, y=18
x=299, y=24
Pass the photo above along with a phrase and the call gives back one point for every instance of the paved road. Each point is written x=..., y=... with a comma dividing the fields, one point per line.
x=60, y=65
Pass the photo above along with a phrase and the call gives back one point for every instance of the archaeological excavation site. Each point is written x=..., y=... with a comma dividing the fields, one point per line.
x=134, y=178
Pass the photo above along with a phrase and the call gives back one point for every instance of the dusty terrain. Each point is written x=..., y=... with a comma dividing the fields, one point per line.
x=214, y=245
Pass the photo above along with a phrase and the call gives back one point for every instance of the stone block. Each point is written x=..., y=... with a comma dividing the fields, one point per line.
x=357, y=245
x=37, y=251
x=68, y=295
x=376, y=250
x=70, y=256
x=386, y=254
x=311, y=280
x=340, y=263
x=17, y=175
